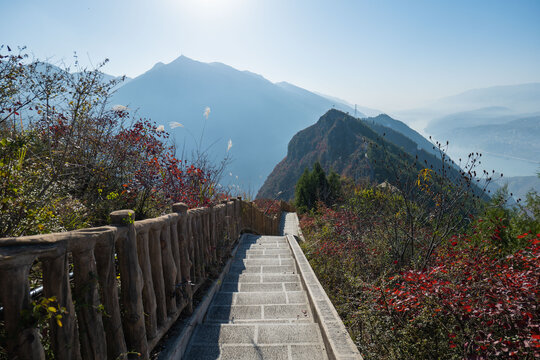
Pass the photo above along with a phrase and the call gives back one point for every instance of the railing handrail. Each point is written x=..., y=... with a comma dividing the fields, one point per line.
x=160, y=264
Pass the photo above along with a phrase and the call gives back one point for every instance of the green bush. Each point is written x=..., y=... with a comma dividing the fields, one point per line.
x=315, y=186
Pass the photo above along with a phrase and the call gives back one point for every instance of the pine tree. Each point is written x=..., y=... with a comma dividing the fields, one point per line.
x=334, y=184
x=315, y=186
x=318, y=178
x=304, y=194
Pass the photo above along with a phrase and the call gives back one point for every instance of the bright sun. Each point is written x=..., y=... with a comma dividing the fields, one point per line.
x=212, y=7
x=207, y=12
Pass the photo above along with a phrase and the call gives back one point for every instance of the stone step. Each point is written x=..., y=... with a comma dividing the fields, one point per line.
x=262, y=269
x=264, y=246
x=261, y=287
x=270, y=256
x=265, y=239
x=281, y=251
x=255, y=341
x=260, y=334
x=262, y=262
x=250, y=352
x=261, y=278
x=261, y=298
x=232, y=313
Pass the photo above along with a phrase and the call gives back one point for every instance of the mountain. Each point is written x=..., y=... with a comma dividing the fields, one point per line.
x=517, y=139
x=343, y=143
x=382, y=122
x=257, y=115
x=490, y=102
x=500, y=122
x=518, y=186
x=521, y=98
x=484, y=116
x=314, y=97
x=47, y=68
x=508, y=141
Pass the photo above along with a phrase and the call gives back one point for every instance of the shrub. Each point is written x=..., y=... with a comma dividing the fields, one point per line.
x=69, y=158
x=473, y=299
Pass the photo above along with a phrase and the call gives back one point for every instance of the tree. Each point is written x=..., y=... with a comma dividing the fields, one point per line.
x=315, y=186
x=334, y=184
x=305, y=192
x=320, y=182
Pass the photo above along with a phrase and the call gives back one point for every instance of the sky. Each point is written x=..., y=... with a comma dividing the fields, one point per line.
x=389, y=55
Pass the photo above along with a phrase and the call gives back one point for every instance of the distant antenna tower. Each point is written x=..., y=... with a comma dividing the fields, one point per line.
x=354, y=110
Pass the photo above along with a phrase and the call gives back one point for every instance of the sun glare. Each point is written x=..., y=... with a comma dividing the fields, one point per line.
x=212, y=7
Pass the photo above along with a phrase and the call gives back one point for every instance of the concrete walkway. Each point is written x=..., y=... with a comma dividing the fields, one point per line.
x=290, y=224
x=261, y=310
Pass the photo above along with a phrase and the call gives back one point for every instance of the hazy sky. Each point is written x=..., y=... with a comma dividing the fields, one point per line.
x=384, y=54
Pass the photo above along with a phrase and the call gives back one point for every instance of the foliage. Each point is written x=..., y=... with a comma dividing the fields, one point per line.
x=315, y=186
x=434, y=200
x=44, y=314
x=69, y=158
x=504, y=223
x=477, y=297
x=269, y=206
x=468, y=302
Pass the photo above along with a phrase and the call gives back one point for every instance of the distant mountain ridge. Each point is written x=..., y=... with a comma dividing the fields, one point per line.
x=342, y=143
x=487, y=120
x=518, y=186
x=521, y=98
x=384, y=121
x=257, y=115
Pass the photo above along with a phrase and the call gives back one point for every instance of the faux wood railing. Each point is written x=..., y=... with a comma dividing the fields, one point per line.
x=130, y=281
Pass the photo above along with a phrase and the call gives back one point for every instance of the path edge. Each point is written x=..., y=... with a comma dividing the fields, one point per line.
x=338, y=342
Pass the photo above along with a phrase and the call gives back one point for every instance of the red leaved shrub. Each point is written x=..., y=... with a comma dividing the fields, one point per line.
x=473, y=300
x=488, y=305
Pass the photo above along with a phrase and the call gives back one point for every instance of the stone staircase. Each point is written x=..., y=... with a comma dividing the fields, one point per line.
x=262, y=309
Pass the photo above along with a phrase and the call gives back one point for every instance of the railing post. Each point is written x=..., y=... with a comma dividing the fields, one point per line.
x=212, y=236
x=22, y=338
x=132, y=283
x=238, y=208
x=86, y=294
x=185, y=260
x=227, y=219
x=156, y=265
x=169, y=267
x=175, y=232
x=148, y=293
x=198, y=264
x=64, y=339
x=253, y=218
x=104, y=254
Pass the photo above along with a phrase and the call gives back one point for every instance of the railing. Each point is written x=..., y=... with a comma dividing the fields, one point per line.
x=130, y=281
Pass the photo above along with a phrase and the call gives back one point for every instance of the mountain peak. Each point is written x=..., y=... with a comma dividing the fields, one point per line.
x=334, y=115
x=350, y=147
x=244, y=106
x=183, y=59
x=157, y=65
